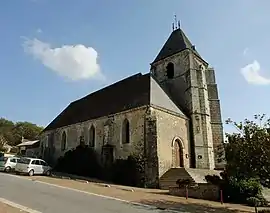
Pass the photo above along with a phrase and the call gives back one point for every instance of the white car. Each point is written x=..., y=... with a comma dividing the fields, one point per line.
x=33, y=166
x=7, y=164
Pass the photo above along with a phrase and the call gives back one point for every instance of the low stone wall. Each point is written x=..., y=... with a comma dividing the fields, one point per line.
x=202, y=191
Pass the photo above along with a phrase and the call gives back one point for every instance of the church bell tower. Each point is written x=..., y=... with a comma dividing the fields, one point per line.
x=185, y=76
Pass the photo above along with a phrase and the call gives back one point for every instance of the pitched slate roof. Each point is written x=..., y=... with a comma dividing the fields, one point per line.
x=135, y=91
x=177, y=42
x=126, y=94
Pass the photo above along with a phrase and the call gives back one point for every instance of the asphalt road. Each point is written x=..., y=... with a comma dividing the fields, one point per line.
x=51, y=199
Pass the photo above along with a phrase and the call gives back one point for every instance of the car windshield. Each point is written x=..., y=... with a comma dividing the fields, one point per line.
x=24, y=160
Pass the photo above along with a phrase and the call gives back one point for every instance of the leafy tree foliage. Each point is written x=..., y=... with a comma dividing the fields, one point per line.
x=247, y=152
x=2, y=143
x=12, y=133
x=247, y=155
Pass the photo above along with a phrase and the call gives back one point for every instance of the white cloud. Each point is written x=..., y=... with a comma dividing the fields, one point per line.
x=245, y=52
x=75, y=62
x=39, y=30
x=251, y=73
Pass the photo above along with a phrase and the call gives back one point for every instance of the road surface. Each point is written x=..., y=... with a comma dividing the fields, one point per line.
x=50, y=199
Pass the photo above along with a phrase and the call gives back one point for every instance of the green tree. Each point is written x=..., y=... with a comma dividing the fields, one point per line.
x=27, y=130
x=2, y=143
x=13, y=132
x=6, y=130
x=247, y=155
x=247, y=152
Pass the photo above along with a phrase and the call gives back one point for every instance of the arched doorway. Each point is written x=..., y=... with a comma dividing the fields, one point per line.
x=178, y=153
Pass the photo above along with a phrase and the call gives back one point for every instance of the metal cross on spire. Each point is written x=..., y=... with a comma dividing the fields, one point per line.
x=176, y=23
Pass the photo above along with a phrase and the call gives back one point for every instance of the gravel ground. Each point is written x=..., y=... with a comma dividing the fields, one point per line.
x=9, y=209
x=154, y=197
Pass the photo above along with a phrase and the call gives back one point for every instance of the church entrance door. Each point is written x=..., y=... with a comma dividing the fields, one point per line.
x=108, y=155
x=178, y=155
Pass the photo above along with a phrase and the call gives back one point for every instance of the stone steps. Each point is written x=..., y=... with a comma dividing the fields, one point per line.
x=169, y=178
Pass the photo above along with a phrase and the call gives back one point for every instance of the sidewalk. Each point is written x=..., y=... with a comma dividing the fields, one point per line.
x=8, y=209
x=153, y=197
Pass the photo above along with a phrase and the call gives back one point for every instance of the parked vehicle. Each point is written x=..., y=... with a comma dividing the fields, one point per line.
x=32, y=166
x=8, y=164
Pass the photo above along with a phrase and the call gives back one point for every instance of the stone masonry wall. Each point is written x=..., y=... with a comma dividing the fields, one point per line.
x=151, y=150
x=177, y=86
x=136, y=121
x=200, y=108
x=169, y=128
x=202, y=191
x=216, y=118
x=188, y=90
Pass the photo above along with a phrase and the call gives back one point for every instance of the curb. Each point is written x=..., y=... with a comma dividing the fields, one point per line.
x=85, y=181
x=151, y=207
x=129, y=190
x=82, y=181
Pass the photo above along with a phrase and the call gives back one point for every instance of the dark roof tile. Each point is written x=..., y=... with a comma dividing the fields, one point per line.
x=177, y=42
x=129, y=93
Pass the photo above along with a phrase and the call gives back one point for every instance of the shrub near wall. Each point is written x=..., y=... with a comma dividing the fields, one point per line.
x=202, y=191
x=239, y=191
x=84, y=161
x=127, y=172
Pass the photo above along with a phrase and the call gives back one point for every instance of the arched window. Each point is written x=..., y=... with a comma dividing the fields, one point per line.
x=82, y=142
x=170, y=70
x=64, y=141
x=125, y=132
x=92, y=136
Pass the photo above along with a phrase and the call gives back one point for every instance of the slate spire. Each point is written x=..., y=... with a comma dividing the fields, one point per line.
x=177, y=42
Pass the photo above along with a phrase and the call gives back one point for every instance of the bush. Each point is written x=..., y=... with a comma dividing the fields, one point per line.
x=247, y=191
x=264, y=211
x=247, y=188
x=126, y=172
x=84, y=161
x=81, y=161
x=183, y=183
x=256, y=201
x=214, y=179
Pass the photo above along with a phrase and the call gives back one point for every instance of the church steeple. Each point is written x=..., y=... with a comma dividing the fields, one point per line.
x=176, y=43
x=183, y=75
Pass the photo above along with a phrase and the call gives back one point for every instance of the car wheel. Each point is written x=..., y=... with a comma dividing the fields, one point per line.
x=8, y=169
x=31, y=172
x=49, y=173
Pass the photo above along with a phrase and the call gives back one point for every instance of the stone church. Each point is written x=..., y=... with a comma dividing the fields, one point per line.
x=174, y=111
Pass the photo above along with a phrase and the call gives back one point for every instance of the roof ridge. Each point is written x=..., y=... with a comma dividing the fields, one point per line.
x=128, y=93
x=109, y=86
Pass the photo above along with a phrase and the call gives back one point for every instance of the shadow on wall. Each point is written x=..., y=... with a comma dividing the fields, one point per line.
x=84, y=161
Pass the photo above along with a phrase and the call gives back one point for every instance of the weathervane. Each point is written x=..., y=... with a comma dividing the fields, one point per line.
x=175, y=24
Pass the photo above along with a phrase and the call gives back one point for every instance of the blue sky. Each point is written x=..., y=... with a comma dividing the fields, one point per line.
x=55, y=51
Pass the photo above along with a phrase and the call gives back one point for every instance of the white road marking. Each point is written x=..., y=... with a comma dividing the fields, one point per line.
x=108, y=197
x=97, y=195
x=18, y=206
